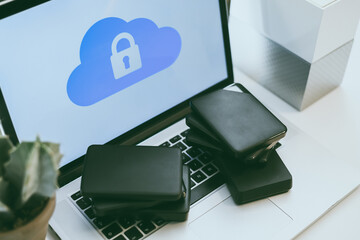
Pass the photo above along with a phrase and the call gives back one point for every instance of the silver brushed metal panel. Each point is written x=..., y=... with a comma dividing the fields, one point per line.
x=293, y=79
x=326, y=74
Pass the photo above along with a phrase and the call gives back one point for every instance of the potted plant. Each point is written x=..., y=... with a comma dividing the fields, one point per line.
x=28, y=174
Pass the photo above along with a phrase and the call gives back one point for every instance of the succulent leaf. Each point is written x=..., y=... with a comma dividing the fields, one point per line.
x=49, y=161
x=6, y=215
x=4, y=191
x=32, y=169
x=55, y=149
x=15, y=168
x=28, y=175
x=31, y=173
x=3, y=208
x=5, y=148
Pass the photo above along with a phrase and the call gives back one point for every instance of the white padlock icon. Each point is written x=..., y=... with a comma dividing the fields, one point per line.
x=125, y=61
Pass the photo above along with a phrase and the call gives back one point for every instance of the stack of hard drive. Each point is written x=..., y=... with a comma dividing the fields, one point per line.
x=146, y=182
x=243, y=135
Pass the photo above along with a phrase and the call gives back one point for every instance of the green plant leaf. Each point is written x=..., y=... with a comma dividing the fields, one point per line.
x=4, y=209
x=25, y=156
x=54, y=149
x=49, y=162
x=6, y=215
x=5, y=147
x=33, y=170
x=4, y=191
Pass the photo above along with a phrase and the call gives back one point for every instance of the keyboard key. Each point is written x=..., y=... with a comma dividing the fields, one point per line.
x=185, y=158
x=193, y=152
x=146, y=226
x=184, y=133
x=206, y=187
x=205, y=158
x=165, y=144
x=126, y=221
x=195, y=165
x=209, y=169
x=159, y=221
x=180, y=145
x=83, y=203
x=120, y=237
x=186, y=142
x=198, y=176
x=103, y=221
x=192, y=183
x=76, y=196
x=133, y=233
x=90, y=213
x=175, y=139
x=112, y=230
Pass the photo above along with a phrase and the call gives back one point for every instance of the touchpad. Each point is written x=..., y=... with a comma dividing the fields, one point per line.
x=257, y=220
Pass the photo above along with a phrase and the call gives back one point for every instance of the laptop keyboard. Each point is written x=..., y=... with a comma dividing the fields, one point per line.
x=205, y=178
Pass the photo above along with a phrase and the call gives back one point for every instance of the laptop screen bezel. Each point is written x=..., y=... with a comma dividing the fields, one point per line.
x=72, y=170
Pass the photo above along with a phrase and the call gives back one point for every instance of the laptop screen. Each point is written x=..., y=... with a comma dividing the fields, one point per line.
x=87, y=71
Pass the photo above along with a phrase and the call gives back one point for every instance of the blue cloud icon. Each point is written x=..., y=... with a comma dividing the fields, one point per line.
x=116, y=54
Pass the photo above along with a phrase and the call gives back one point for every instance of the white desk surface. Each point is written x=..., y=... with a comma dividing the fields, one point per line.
x=334, y=121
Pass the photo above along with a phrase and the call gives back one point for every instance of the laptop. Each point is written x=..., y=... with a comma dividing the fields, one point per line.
x=122, y=72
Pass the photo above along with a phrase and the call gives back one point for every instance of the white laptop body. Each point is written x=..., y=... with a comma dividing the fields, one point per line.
x=316, y=190
x=42, y=64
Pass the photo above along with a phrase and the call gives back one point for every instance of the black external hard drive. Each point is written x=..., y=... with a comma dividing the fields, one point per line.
x=194, y=123
x=167, y=210
x=142, y=173
x=171, y=211
x=194, y=137
x=200, y=137
x=103, y=208
x=238, y=120
x=250, y=183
